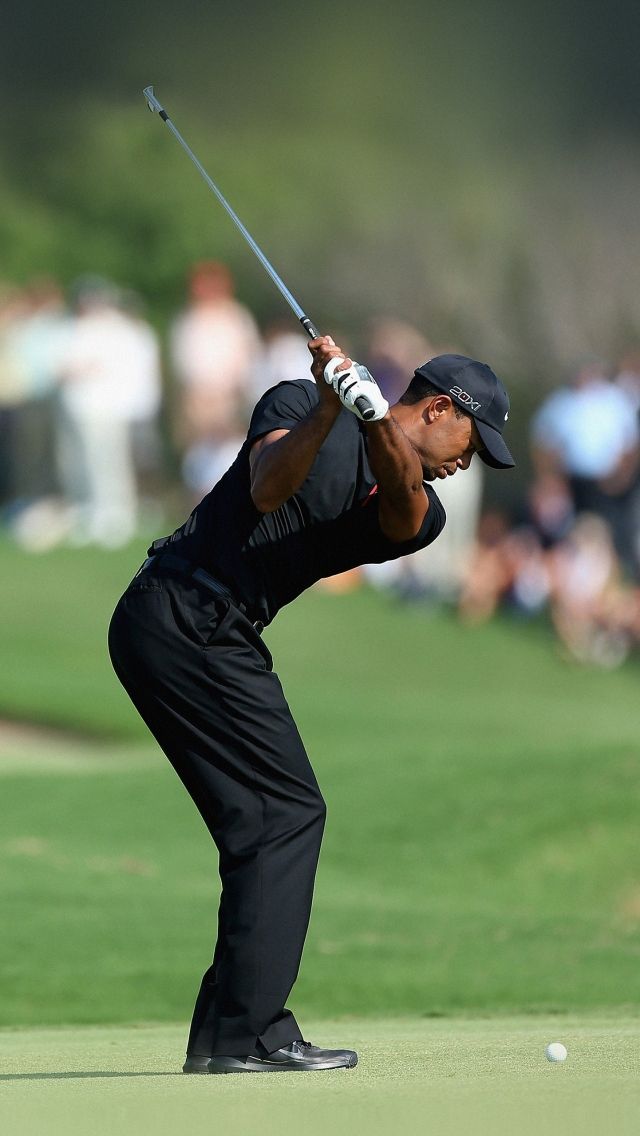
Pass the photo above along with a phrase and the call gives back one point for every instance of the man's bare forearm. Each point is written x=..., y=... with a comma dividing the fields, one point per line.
x=280, y=467
x=398, y=470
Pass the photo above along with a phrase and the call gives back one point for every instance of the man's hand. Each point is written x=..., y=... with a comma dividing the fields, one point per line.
x=357, y=390
x=324, y=350
x=336, y=374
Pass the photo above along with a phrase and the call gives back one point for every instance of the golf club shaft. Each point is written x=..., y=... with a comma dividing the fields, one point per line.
x=363, y=404
x=155, y=105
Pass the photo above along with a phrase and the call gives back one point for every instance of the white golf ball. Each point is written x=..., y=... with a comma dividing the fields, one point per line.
x=556, y=1051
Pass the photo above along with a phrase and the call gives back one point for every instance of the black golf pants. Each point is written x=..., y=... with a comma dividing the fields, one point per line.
x=202, y=680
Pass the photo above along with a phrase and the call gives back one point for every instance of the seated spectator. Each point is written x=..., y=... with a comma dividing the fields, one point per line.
x=550, y=507
x=586, y=594
x=488, y=576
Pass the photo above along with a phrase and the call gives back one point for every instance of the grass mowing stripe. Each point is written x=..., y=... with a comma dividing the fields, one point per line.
x=109, y=885
x=480, y=847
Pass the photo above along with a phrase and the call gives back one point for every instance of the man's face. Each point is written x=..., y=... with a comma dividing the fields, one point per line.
x=443, y=441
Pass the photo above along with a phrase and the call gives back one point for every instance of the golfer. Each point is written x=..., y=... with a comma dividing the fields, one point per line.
x=314, y=490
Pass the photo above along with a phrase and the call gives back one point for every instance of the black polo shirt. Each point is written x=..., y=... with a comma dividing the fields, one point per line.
x=330, y=524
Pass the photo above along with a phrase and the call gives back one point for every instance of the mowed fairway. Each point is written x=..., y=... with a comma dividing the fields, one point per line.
x=478, y=892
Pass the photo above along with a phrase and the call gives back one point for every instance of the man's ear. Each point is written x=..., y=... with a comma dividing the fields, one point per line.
x=436, y=406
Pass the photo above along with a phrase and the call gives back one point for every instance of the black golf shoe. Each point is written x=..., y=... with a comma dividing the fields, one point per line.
x=300, y=1055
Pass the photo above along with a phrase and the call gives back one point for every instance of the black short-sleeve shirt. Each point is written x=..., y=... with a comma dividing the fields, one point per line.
x=330, y=524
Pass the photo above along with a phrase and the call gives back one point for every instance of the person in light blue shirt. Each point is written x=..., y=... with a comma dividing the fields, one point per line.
x=588, y=434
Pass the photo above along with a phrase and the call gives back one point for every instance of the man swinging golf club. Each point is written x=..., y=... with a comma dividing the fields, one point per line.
x=329, y=477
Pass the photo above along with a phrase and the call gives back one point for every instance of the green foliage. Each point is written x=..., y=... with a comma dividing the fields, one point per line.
x=473, y=171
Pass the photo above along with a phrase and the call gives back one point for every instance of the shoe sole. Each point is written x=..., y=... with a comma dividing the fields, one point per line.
x=222, y=1064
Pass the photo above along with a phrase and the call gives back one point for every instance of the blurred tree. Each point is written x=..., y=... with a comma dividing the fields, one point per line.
x=475, y=168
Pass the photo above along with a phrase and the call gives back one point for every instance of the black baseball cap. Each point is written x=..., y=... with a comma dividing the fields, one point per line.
x=475, y=388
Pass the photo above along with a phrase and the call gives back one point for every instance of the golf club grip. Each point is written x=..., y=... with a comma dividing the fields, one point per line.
x=365, y=408
x=310, y=328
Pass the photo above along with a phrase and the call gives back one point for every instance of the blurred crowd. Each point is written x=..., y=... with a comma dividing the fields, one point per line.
x=574, y=550
x=97, y=413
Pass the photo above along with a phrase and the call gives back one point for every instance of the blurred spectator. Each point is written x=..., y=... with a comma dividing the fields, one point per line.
x=628, y=377
x=588, y=596
x=487, y=577
x=628, y=380
x=39, y=343
x=215, y=346
x=394, y=351
x=204, y=464
x=551, y=508
x=529, y=578
x=141, y=373
x=105, y=378
x=285, y=357
x=14, y=309
x=595, y=615
x=80, y=397
x=588, y=434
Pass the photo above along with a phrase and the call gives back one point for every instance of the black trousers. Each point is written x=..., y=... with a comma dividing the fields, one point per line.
x=202, y=680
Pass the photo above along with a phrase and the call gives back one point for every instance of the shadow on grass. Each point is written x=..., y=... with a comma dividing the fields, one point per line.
x=80, y=1075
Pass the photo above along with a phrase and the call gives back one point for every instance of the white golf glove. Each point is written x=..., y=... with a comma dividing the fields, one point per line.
x=357, y=390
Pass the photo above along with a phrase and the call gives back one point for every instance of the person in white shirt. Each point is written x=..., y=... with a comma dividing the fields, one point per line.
x=109, y=378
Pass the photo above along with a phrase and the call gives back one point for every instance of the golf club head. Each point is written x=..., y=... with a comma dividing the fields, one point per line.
x=152, y=101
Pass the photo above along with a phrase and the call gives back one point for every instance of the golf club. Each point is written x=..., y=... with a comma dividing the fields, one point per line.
x=364, y=406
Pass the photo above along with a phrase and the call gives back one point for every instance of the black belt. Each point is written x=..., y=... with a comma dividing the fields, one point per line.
x=167, y=560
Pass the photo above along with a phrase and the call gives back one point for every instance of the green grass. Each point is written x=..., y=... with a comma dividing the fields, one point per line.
x=53, y=656
x=481, y=847
x=471, y=1076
